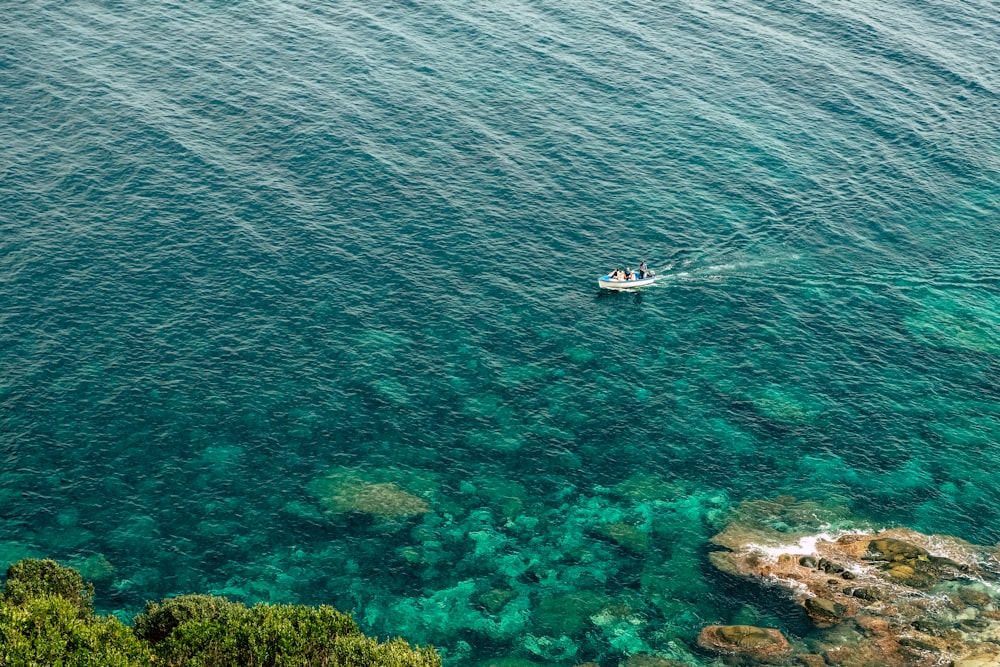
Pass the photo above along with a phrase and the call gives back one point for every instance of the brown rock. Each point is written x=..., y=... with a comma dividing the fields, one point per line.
x=743, y=640
x=811, y=660
x=735, y=535
x=823, y=612
x=867, y=594
x=929, y=626
x=727, y=561
x=649, y=660
x=854, y=545
x=874, y=625
x=917, y=644
x=981, y=660
x=941, y=563
x=895, y=623
x=974, y=597
x=838, y=655
x=908, y=575
x=893, y=550
x=877, y=653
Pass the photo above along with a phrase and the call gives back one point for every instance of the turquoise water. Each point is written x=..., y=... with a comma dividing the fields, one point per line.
x=247, y=246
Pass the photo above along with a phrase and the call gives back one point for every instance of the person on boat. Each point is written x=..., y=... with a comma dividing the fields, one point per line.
x=629, y=273
x=643, y=269
x=616, y=275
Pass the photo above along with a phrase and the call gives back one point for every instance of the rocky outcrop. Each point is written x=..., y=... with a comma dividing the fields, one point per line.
x=823, y=612
x=745, y=641
x=891, y=597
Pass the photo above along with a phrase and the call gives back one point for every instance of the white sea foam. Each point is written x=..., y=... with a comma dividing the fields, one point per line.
x=805, y=546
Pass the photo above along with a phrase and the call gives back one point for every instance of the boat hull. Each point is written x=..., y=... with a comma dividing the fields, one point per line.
x=606, y=282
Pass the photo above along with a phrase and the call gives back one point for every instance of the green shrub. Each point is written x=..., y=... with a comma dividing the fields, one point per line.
x=46, y=620
x=161, y=618
x=31, y=578
x=280, y=636
x=361, y=651
x=47, y=631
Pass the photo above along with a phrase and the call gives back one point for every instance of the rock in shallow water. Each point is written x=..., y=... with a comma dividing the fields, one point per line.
x=823, y=612
x=913, y=599
x=743, y=640
x=624, y=535
x=893, y=550
x=648, y=660
x=372, y=492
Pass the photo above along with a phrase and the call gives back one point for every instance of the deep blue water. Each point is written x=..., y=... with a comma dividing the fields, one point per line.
x=248, y=246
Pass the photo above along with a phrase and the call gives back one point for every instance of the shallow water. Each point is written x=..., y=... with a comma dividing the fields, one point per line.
x=244, y=246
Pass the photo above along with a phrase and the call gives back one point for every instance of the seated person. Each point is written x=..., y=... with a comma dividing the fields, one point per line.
x=629, y=273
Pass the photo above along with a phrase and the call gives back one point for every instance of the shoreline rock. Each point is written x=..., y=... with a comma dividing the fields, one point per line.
x=747, y=641
x=888, y=598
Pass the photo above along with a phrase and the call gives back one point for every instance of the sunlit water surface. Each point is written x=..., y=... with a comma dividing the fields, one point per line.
x=252, y=251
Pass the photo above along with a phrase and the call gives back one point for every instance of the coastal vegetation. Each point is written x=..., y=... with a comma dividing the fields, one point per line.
x=47, y=618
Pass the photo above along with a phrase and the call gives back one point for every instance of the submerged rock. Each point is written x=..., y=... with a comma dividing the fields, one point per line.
x=644, y=486
x=495, y=599
x=509, y=662
x=780, y=520
x=95, y=568
x=743, y=640
x=975, y=597
x=347, y=492
x=984, y=660
x=649, y=660
x=568, y=613
x=386, y=501
x=624, y=535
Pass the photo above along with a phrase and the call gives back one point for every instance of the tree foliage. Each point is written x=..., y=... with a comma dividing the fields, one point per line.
x=46, y=618
x=47, y=630
x=161, y=618
x=32, y=578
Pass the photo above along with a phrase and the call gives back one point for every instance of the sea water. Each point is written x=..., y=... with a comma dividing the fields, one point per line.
x=249, y=249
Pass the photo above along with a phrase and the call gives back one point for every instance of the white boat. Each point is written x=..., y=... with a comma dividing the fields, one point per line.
x=607, y=282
